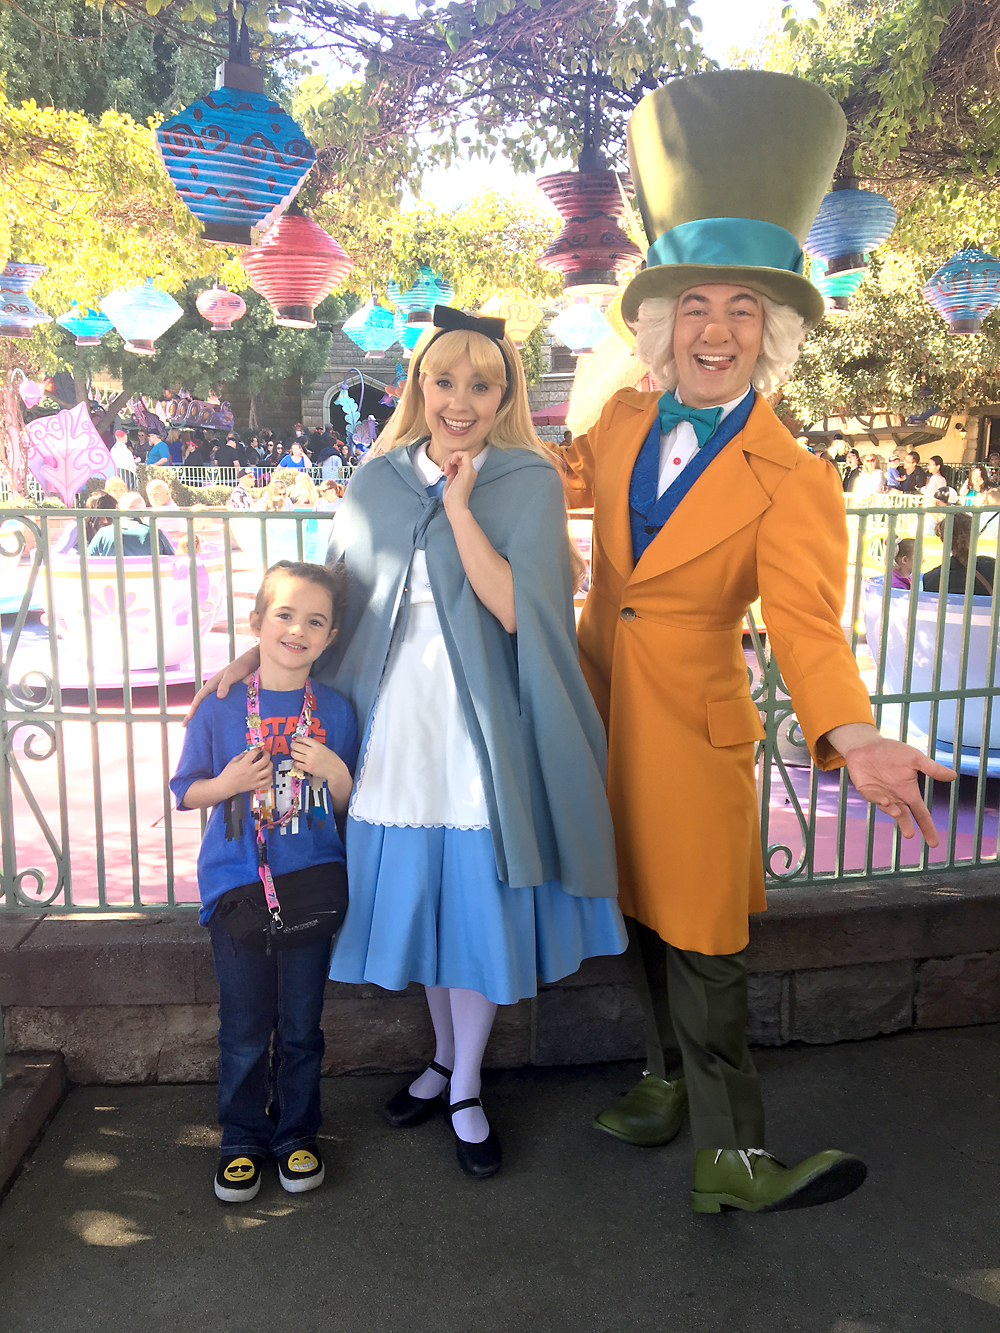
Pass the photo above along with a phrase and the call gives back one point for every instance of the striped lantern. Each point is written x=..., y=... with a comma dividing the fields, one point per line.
x=221, y=307
x=850, y=224
x=415, y=306
x=837, y=289
x=141, y=314
x=88, y=327
x=372, y=328
x=295, y=266
x=235, y=157
x=592, y=250
x=965, y=290
x=18, y=313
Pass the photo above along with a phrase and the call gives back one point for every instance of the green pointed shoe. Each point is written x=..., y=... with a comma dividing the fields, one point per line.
x=754, y=1181
x=650, y=1114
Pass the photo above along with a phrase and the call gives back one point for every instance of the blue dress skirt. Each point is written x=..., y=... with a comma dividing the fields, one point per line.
x=426, y=903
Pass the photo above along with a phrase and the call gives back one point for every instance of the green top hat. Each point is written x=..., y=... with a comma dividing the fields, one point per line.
x=730, y=170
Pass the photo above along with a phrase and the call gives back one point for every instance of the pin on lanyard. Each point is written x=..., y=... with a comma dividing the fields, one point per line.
x=269, y=823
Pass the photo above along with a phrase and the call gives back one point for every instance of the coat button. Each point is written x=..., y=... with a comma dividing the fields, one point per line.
x=627, y=613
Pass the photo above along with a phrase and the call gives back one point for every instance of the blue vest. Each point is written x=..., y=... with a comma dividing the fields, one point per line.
x=646, y=513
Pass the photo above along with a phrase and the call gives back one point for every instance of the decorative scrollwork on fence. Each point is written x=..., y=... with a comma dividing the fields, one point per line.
x=770, y=694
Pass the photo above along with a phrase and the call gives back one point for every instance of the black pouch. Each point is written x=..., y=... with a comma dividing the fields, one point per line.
x=313, y=903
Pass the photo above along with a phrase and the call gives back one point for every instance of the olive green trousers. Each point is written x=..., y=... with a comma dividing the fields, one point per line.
x=695, y=1009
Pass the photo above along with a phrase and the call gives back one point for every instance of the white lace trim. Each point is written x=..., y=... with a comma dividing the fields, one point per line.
x=392, y=823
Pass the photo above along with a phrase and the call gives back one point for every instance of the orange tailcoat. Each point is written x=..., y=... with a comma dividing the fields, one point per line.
x=661, y=647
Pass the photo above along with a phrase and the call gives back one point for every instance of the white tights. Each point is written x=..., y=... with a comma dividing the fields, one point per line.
x=462, y=1022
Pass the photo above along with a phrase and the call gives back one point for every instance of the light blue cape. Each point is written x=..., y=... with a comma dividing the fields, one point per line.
x=537, y=735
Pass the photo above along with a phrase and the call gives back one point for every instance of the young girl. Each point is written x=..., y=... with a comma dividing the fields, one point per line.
x=289, y=744
x=902, y=565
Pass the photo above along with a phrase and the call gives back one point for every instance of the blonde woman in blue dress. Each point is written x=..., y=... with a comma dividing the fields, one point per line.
x=480, y=849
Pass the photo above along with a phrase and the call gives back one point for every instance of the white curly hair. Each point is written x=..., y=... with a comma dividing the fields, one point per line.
x=784, y=333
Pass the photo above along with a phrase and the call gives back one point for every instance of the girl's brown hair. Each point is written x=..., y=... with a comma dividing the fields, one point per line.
x=331, y=577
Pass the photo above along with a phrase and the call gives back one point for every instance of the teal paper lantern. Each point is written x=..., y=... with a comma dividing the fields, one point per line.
x=141, y=315
x=88, y=326
x=415, y=306
x=372, y=328
x=581, y=327
x=837, y=289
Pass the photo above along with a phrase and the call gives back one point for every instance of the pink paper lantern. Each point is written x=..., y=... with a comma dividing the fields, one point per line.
x=65, y=451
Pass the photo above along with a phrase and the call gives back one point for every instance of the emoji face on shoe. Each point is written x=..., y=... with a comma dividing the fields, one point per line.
x=241, y=1168
x=303, y=1160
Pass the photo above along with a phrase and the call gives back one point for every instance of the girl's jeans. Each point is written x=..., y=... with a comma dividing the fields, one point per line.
x=269, y=1089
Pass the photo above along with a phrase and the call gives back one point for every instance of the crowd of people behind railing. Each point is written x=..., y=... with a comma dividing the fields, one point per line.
x=262, y=450
x=902, y=473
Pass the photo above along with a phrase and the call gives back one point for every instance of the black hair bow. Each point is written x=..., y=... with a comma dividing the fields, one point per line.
x=447, y=319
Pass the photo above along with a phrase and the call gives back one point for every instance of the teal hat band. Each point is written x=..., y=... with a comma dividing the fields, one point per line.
x=728, y=242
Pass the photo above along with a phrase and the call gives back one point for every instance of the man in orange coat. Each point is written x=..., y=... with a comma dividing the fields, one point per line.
x=703, y=502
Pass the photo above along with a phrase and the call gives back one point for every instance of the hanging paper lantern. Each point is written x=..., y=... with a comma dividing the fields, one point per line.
x=416, y=305
x=837, y=289
x=581, y=327
x=221, y=307
x=295, y=266
x=372, y=328
x=850, y=224
x=592, y=249
x=236, y=159
x=18, y=312
x=613, y=315
x=965, y=289
x=517, y=310
x=141, y=315
x=88, y=327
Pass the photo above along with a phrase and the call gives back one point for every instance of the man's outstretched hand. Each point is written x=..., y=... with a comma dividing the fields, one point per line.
x=885, y=773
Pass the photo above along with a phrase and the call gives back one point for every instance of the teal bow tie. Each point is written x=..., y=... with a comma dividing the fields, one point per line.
x=705, y=420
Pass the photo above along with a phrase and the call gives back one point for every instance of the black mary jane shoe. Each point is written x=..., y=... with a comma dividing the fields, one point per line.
x=479, y=1160
x=404, y=1111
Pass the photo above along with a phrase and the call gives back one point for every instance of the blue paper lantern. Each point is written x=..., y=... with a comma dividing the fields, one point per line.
x=141, y=314
x=372, y=328
x=88, y=327
x=850, y=224
x=416, y=306
x=965, y=289
x=581, y=327
x=18, y=312
x=236, y=158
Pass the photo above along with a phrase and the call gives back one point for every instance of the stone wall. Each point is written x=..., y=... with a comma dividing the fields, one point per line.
x=132, y=999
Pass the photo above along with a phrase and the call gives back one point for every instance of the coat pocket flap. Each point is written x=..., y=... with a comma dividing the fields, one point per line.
x=734, y=722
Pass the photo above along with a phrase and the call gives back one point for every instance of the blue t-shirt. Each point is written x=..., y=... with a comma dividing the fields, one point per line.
x=218, y=733
x=289, y=461
x=159, y=453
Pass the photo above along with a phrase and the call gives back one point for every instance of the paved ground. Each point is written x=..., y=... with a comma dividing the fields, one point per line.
x=113, y=1228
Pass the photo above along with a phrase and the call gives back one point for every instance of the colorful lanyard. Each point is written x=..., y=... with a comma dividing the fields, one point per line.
x=265, y=819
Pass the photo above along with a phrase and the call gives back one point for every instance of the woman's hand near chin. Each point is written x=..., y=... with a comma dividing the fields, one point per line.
x=242, y=669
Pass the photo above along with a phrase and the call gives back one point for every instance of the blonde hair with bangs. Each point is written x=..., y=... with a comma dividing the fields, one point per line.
x=784, y=333
x=513, y=427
